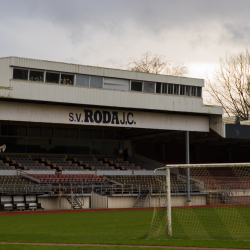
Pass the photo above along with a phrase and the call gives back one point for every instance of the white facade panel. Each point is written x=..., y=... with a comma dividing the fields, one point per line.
x=216, y=124
x=5, y=73
x=105, y=97
x=89, y=70
x=41, y=113
x=51, y=92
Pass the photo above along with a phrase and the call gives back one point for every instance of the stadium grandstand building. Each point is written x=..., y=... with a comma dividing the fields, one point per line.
x=89, y=137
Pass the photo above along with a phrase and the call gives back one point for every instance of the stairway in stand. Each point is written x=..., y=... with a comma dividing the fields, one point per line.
x=141, y=199
x=76, y=203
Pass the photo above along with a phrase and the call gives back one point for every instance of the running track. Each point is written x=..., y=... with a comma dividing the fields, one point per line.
x=100, y=245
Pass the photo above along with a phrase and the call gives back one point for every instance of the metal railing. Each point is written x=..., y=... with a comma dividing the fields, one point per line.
x=24, y=189
x=83, y=188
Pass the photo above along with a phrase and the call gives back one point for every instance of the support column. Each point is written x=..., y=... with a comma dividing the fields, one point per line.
x=188, y=170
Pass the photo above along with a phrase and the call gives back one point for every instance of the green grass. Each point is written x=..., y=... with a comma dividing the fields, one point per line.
x=120, y=227
x=212, y=223
x=27, y=247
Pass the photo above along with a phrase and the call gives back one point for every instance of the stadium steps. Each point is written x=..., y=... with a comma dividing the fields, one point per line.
x=141, y=199
x=226, y=198
x=75, y=202
x=112, y=180
x=27, y=176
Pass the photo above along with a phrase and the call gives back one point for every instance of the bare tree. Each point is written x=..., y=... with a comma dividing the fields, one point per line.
x=230, y=86
x=156, y=64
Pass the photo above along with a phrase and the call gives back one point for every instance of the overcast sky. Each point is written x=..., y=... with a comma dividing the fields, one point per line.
x=107, y=33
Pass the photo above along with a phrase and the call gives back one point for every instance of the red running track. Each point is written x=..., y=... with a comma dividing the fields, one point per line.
x=110, y=209
x=100, y=245
x=72, y=211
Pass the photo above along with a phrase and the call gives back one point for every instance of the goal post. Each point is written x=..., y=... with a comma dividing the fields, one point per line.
x=219, y=206
x=168, y=185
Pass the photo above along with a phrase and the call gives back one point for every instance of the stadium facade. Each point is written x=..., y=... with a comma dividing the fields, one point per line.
x=54, y=108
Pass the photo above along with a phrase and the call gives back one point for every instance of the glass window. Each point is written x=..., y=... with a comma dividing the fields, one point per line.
x=21, y=74
x=182, y=89
x=170, y=88
x=149, y=87
x=193, y=91
x=21, y=130
x=46, y=131
x=36, y=76
x=60, y=132
x=109, y=134
x=72, y=133
x=34, y=131
x=96, y=134
x=199, y=91
x=165, y=88
x=52, y=77
x=158, y=87
x=96, y=82
x=136, y=86
x=114, y=83
x=85, y=133
x=13, y=130
x=4, y=129
x=67, y=79
x=82, y=80
x=187, y=90
x=176, y=89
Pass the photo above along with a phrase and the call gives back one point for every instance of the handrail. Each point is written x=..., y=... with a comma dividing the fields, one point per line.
x=28, y=176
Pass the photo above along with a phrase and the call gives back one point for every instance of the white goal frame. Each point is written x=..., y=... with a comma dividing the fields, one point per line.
x=168, y=184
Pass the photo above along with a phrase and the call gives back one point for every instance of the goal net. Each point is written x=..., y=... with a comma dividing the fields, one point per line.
x=211, y=202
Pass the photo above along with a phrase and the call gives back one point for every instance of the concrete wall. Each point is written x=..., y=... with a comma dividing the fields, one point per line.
x=52, y=203
x=179, y=201
x=98, y=201
x=121, y=201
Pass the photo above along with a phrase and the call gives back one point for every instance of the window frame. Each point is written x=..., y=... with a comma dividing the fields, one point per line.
x=36, y=71
x=54, y=72
x=20, y=68
x=62, y=73
x=142, y=85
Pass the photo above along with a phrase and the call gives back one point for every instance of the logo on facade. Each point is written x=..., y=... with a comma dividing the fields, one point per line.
x=104, y=117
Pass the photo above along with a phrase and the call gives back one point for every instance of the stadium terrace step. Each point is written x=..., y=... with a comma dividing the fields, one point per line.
x=141, y=199
x=74, y=202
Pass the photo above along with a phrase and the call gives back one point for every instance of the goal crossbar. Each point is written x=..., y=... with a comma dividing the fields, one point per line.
x=247, y=164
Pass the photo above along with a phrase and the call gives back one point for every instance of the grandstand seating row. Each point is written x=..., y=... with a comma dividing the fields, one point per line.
x=63, y=162
x=69, y=178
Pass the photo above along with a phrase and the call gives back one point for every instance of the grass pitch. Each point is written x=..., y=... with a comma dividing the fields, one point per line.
x=27, y=247
x=120, y=227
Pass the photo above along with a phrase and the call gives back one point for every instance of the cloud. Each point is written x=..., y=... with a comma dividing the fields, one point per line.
x=109, y=32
